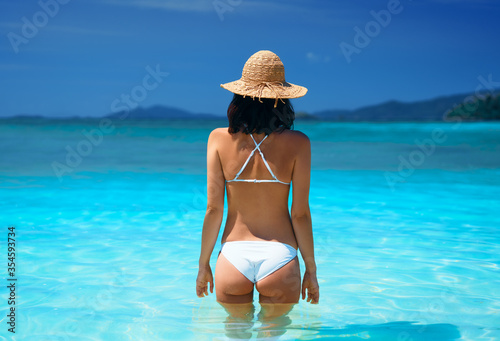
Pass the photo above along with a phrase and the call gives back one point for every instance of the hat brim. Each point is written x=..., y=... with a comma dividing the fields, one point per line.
x=284, y=90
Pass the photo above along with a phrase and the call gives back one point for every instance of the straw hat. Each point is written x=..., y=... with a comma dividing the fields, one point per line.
x=263, y=76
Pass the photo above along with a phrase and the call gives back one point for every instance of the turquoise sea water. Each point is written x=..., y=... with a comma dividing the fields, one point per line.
x=405, y=219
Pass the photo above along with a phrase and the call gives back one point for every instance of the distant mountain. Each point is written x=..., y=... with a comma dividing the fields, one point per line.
x=436, y=109
x=302, y=115
x=159, y=112
x=429, y=110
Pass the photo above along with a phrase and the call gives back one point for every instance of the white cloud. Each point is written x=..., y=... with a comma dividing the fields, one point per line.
x=82, y=30
x=173, y=5
x=314, y=10
x=16, y=26
x=474, y=3
x=465, y=1
x=208, y=5
x=317, y=58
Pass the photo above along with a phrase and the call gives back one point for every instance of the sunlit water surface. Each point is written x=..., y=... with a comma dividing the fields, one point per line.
x=405, y=220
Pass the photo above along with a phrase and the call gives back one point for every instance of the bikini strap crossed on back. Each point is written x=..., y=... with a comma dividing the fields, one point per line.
x=257, y=147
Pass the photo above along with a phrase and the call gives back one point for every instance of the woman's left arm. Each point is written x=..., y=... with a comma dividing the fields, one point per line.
x=213, y=216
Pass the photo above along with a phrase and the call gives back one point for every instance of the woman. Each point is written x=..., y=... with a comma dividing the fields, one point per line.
x=256, y=160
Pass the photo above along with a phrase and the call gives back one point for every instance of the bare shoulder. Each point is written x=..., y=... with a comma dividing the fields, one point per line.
x=296, y=138
x=217, y=134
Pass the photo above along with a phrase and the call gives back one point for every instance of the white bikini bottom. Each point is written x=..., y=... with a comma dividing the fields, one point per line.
x=257, y=259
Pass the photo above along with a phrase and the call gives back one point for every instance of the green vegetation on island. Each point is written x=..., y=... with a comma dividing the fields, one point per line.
x=479, y=108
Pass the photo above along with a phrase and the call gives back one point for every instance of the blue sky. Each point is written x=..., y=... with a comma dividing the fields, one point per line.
x=80, y=57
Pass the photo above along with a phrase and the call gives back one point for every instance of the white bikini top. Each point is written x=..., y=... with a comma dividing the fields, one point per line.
x=275, y=179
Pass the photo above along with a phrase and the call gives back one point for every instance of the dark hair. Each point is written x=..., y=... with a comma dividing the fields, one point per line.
x=251, y=116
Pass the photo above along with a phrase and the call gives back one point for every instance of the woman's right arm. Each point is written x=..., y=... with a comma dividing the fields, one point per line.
x=301, y=217
x=213, y=216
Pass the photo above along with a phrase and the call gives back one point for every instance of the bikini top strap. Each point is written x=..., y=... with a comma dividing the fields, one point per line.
x=258, y=145
x=250, y=156
x=263, y=158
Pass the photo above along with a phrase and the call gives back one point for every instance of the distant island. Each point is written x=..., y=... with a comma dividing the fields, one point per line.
x=438, y=109
x=465, y=107
x=442, y=108
x=486, y=108
x=159, y=112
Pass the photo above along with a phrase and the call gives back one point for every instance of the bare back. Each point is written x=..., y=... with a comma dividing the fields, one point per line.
x=258, y=211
